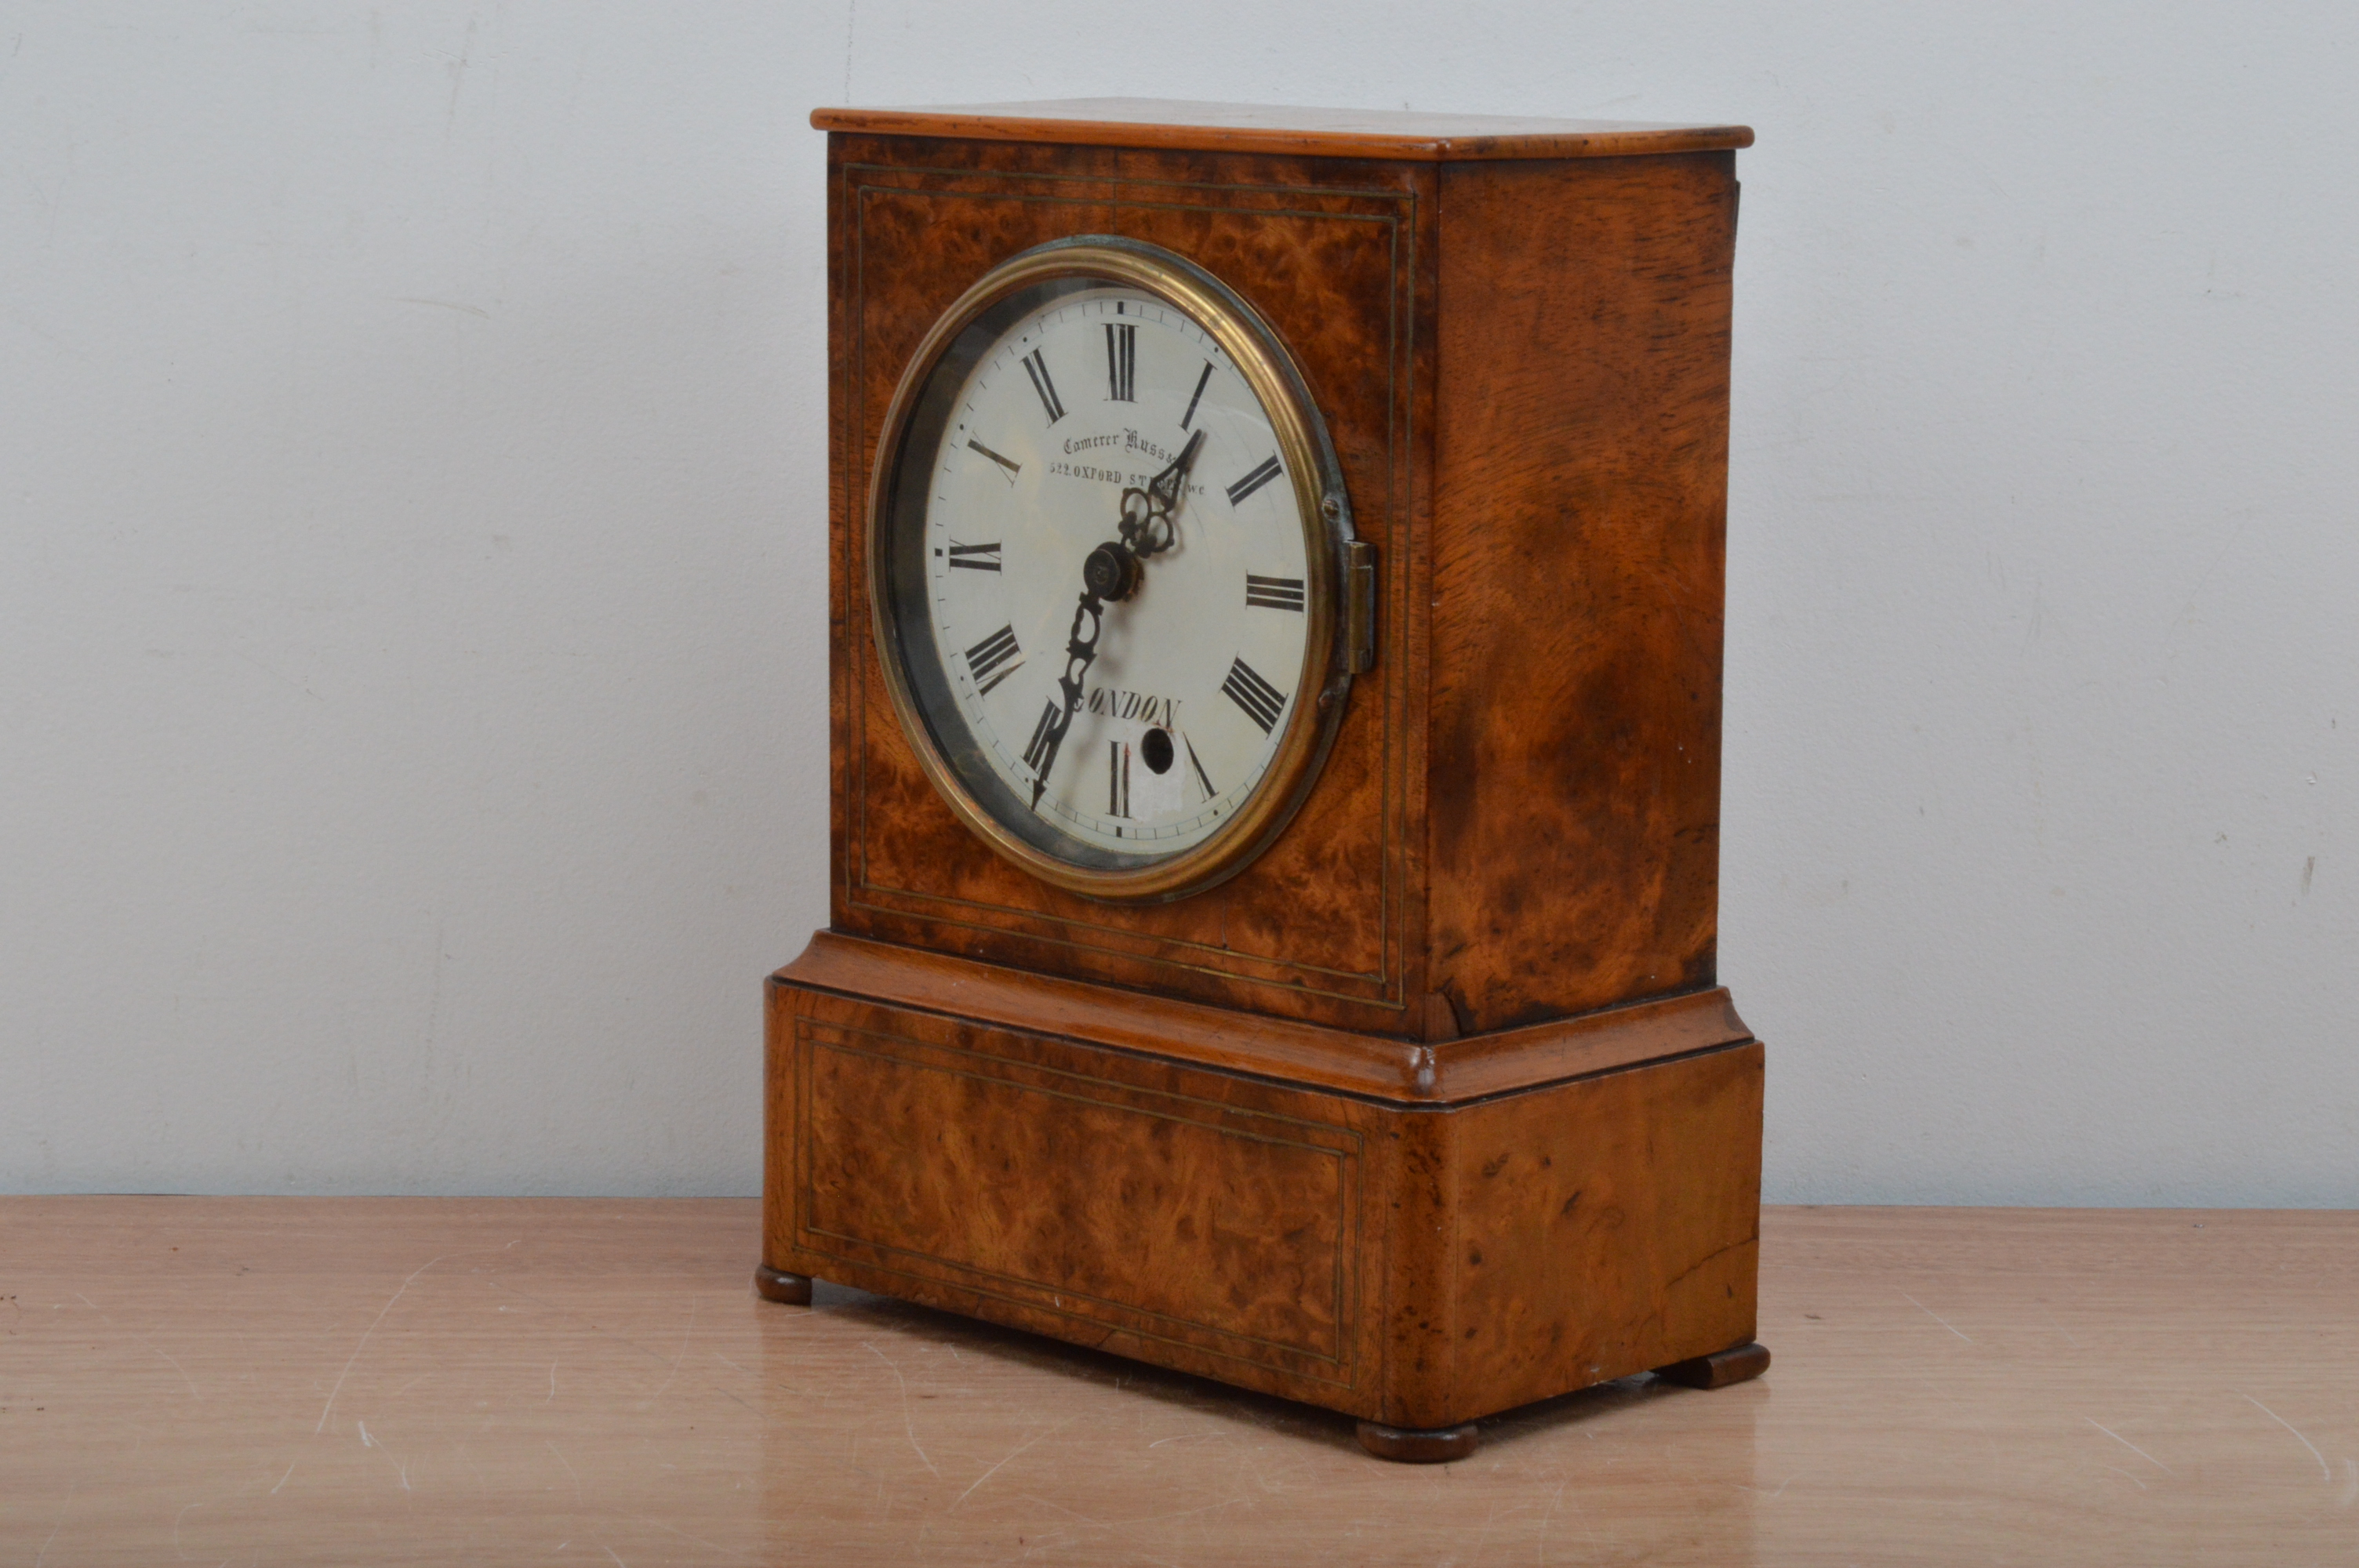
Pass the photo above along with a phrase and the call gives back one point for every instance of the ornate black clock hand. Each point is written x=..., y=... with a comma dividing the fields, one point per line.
x=1109, y=575
x=1147, y=514
x=1081, y=649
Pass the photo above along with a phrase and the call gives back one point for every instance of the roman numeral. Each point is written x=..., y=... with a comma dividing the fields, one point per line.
x=1201, y=776
x=975, y=558
x=1254, y=481
x=1273, y=592
x=1197, y=396
x=1012, y=466
x=1117, y=779
x=1036, y=750
x=1122, y=361
x=1038, y=369
x=989, y=655
x=1262, y=701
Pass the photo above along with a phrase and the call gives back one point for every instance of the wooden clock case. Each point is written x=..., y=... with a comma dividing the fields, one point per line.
x=1436, y=1108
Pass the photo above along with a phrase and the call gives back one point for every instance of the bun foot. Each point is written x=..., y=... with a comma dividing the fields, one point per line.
x=774, y=1286
x=1438, y=1445
x=1734, y=1365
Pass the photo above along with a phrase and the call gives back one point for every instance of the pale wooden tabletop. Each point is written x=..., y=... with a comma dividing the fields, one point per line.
x=256, y=1380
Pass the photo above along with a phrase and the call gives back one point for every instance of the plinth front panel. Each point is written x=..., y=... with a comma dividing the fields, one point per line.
x=1136, y=1206
x=1076, y=1191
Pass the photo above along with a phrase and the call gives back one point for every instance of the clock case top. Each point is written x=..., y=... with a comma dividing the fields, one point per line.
x=1519, y=332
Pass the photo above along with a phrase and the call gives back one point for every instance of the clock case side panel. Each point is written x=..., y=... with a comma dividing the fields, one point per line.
x=1579, y=549
x=904, y=870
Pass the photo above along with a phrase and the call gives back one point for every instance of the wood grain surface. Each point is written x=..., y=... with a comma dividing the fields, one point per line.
x=1332, y=254
x=272, y=1380
x=1266, y=128
x=1524, y=365
x=1421, y=1264
x=1448, y=1072
x=1580, y=506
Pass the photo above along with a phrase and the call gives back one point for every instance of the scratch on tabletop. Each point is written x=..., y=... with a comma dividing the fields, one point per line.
x=282, y=1480
x=2124, y=1474
x=2349, y=1493
x=686, y=1335
x=143, y=1339
x=906, y=1424
x=59, y=1525
x=364, y=1339
x=1484, y=1535
x=1012, y=1453
x=176, y=1529
x=610, y=1551
x=2324, y=1473
x=2059, y=1327
x=1143, y=1519
x=1549, y=1517
x=2126, y=1442
x=494, y=1283
x=708, y=1545
x=1579, y=1516
x=1936, y=1316
x=734, y=1400
x=561, y=1459
x=1061, y=1508
x=552, y=1382
x=1040, y=1543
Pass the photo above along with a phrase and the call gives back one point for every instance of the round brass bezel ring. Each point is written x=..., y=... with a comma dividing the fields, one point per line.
x=1309, y=459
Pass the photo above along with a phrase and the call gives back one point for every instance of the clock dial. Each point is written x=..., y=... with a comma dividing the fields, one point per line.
x=1172, y=655
x=1103, y=576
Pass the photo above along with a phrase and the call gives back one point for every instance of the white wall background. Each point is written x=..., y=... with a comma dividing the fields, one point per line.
x=411, y=511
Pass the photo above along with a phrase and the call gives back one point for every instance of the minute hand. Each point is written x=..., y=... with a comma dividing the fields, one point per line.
x=1110, y=574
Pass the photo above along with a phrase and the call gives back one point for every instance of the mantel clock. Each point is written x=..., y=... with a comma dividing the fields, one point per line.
x=1276, y=604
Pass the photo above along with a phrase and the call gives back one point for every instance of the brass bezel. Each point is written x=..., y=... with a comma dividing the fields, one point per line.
x=1309, y=457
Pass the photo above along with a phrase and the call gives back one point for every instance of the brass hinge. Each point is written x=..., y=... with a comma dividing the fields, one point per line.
x=1360, y=605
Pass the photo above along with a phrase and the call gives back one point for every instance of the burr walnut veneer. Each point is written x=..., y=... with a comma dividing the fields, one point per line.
x=1435, y=1108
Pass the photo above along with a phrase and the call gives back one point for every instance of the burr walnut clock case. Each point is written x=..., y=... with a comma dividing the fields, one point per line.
x=1274, y=611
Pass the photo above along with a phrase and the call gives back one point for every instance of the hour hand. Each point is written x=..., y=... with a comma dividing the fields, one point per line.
x=1147, y=514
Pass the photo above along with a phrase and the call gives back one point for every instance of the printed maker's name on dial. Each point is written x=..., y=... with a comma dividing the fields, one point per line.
x=1129, y=441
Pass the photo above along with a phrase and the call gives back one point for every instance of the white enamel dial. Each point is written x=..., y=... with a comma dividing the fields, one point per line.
x=1105, y=540
x=1183, y=705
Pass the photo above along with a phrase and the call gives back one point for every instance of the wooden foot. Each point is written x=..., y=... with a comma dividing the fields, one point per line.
x=1734, y=1365
x=1436, y=1447
x=773, y=1286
